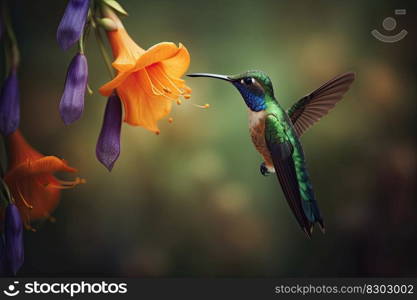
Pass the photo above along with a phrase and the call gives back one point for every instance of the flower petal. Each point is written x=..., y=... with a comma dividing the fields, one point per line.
x=124, y=49
x=158, y=75
x=108, y=144
x=9, y=104
x=156, y=53
x=72, y=23
x=39, y=193
x=177, y=65
x=19, y=150
x=107, y=88
x=72, y=101
x=42, y=166
x=14, y=238
x=142, y=106
x=31, y=181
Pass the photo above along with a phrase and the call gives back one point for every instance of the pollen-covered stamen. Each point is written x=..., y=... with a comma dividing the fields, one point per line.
x=204, y=106
x=23, y=198
x=196, y=105
x=156, y=91
x=170, y=120
x=60, y=187
x=188, y=96
x=168, y=97
x=63, y=184
x=181, y=84
x=74, y=182
x=187, y=89
x=161, y=74
x=164, y=88
x=201, y=106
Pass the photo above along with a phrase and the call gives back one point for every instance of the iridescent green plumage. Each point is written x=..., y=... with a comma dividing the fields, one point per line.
x=275, y=134
x=288, y=158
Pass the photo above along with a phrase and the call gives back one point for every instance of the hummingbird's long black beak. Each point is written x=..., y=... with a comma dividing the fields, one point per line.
x=222, y=77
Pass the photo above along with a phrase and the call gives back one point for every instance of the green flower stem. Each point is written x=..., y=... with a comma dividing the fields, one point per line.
x=89, y=90
x=6, y=193
x=101, y=46
x=81, y=43
x=13, y=49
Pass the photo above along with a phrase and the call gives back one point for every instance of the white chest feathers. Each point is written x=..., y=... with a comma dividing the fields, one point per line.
x=255, y=117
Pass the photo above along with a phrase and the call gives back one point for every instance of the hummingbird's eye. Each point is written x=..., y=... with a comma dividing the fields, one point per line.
x=248, y=80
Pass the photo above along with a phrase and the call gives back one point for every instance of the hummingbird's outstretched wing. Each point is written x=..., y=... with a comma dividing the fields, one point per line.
x=311, y=108
x=282, y=153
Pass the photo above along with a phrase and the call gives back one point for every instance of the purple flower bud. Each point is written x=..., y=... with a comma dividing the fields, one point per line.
x=72, y=23
x=72, y=101
x=14, y=238
x=9, y=104
x=108, y=144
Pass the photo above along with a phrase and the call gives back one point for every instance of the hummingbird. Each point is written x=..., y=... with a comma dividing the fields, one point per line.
x=276, y=134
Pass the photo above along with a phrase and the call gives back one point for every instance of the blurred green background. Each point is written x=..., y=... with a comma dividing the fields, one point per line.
x=191, y=202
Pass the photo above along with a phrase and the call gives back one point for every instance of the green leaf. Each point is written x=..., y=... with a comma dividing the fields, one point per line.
x=116, y=6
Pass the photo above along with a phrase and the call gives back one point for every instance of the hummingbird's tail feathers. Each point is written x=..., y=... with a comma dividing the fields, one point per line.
x=293, y=177
x=312, y=212
x=308, y=232
x=318, y=218
x=287, y=177
x=310, y=206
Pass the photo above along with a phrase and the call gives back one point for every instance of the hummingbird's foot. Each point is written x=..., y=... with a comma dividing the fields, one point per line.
x=265, y=170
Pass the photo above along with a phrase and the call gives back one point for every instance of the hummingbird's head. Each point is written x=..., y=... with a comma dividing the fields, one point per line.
x=254, y=86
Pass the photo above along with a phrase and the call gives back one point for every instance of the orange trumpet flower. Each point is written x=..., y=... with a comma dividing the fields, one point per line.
x=147, y=81
x=31, y=181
